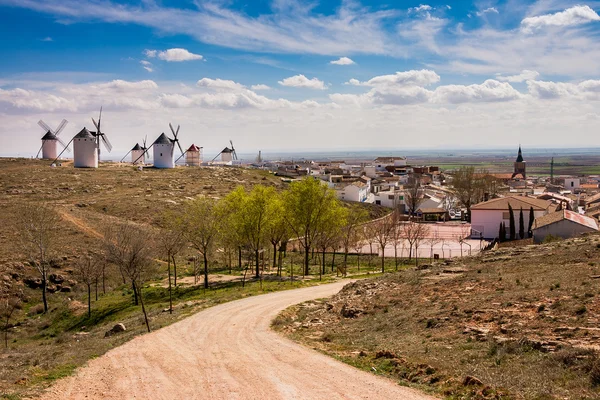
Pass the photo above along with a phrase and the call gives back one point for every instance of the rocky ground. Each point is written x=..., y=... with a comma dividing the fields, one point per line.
x=512, y=323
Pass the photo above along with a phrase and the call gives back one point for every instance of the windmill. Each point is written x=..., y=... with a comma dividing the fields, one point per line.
x=227, y=154
x=235, y=157
x=100, y=136
x=138, y=153
x=164, y=149
x=175, y=140
x=50, y=139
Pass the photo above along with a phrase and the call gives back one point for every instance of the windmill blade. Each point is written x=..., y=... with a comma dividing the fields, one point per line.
x=177, y=133
x=172, y=130
x=62, y=125
x=62, y=151
x=180, y=157
x=216, y=156
x=139, y=158
x=96, y=124
x=107, y=144
x=180, y=149
x=125, y=156
x=45, y=127
x=39, y=151
x=63, y=145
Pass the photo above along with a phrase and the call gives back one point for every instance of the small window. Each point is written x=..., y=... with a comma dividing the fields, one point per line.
x=378, y=202
x=401, y=197
x=572, y=183
x=506, y=215
x=390, y=197
x=161, y=154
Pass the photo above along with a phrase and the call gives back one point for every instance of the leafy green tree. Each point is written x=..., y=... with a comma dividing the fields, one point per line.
x=331, y=233
x=531, y=220
x=309, y=205
x=278, y=230
x=511, y=222
x=521, y=224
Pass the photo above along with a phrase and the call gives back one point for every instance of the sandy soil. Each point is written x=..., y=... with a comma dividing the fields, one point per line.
x=227, y=352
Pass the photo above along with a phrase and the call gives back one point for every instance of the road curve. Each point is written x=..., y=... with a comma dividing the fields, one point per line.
x=227, y=352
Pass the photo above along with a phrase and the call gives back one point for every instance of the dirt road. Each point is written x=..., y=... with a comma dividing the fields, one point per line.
x=227, y=352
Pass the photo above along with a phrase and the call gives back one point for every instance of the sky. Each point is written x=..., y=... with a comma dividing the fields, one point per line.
x=277, y=75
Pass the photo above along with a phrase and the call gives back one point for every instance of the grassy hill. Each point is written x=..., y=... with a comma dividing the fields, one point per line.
x=517, y=323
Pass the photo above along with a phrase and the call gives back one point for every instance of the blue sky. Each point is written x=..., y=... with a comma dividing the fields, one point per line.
x=291, y=74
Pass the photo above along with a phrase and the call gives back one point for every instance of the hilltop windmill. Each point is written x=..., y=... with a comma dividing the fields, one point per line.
x=50, y=139
x=138, y=153
x=227, y=154
x=100, y=136
x=164, y=149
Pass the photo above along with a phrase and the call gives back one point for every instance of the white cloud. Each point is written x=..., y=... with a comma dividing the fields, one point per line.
x=47, y=39
x=586, y=90
x=145, y=62
x=122, y=86
x=342, y=61
x=219, y=84
x=420, y=8
x=301, y=81
x=173, y=55
x=422, y=77
x=36, y=101
x=149, y=69
x=576, y=15
x=525, y=75
x=489, y=91
x=147, y=65
x=487, y=11
x=260, y=87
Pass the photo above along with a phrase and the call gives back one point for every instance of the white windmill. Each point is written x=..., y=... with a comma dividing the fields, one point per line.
x=84, y=149
x=164, y=149
x=228, y=155
x=138, y=154
x=50, y=140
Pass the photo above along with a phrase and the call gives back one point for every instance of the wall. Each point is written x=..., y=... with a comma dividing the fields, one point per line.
x=49, y=149
x=564, y=229
x=488, y=222
x=163, y=156
x=85, y=153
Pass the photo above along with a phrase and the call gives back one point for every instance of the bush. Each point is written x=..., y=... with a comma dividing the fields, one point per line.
x=551, y=239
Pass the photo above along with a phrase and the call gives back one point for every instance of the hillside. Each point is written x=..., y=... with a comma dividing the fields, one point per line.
x=513, y=323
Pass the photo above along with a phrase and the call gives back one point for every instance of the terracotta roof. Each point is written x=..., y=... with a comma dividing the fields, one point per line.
x=515, y=201
x=589, y=186
x=193, y=147
x=593, y=199
x=561, y=215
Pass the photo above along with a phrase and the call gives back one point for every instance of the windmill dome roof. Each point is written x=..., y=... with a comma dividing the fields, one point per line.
x=84, y=133
x=227, y=150
x=163, y=139
x=49, y=136
x=193, y=147
x=136, y=147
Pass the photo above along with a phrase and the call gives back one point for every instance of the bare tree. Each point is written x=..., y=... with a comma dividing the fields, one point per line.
x=351, y=231
x=384, y=233
x=10, y=303
x=87, y=270
x=130, y=249
x=172, y=243
x=414, y=233
x=38, y=226
x=461, y=237
x=414, y=196
x=420, y=233
x=432, y=240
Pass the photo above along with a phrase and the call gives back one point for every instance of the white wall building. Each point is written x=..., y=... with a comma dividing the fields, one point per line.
x=163, y=150
x=355, y=191
x=85, y=152
x=486, y=217
x=565, y=224
x=49, y=146
x=137, y=155
x=390, y=198
x=572, y=183
x=227, y=155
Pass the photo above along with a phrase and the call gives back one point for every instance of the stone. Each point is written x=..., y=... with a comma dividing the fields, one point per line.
x=115, y=329
x=471, y=381
x=33, y=283
x=66, y=289
x=350, y=312
x=56, y=278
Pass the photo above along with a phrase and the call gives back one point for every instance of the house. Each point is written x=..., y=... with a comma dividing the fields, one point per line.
x=592, y=200
x=564, y=223
x=390, y=199
x=431, y=201
x=433, y=214
x=572, y=183
x=486, y=217
x=356, y=191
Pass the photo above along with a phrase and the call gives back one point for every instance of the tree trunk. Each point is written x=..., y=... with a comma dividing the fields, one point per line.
x=89, y=300
x=144, y=309
x=135, y=293
x=96, y=288
x=345, y=261
x=396, y=256
x=104, y=279
x=358, y=261
x=306, y=260
x=170, y=288
x=275, y=255
x=257, y=257
x=333, y=261
x=240, y=257
x=206, y=270
x=44, y=299
x=382, y=259
x=174, y=271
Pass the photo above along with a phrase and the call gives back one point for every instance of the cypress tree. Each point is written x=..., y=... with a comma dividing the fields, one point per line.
x=500, y=232
x=511, y=223
x=531, y=219
x=521, y=225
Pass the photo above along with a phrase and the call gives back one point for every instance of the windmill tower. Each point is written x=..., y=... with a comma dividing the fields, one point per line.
x=164, y=149
x=100, y=136
x=193, y=156
x=50, y=140
x=138, y=154
x=227, y=154
x=85, y=150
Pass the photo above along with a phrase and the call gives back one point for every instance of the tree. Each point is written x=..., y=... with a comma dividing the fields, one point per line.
x=38, y=226
x=10, y=302
x=130, y=249
x=88, y=272
x=465, y=187
x=414, y=233
x=433, y=239
x=350, y=232
x=501, y=233
x=278, y=229
x=511, y=223
x=384, y=232
x=309, y=205
x=521, y=225
x=414, y=196
x=330, y=235
x=531, y=220
x=172, y=243
x=201, y=223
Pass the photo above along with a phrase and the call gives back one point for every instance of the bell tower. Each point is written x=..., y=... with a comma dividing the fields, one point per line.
x=520, y=166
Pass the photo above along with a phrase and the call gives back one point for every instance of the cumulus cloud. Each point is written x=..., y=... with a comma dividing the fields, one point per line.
x=36, y=101
x=173, y=55
x=260, y=87
x=487, y=11
x=301, y=81
x=422, y=77
x=576, y=15
x=586, y=90
x=122, y=86
x=219, y=84
x=525, y=75
x=342, y=61
x=420, y=8
x=489, y=91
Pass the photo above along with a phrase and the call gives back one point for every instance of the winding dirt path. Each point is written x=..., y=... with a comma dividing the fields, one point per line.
x=227, y=352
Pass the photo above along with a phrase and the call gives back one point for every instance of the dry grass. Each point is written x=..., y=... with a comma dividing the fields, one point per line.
x=522, y=321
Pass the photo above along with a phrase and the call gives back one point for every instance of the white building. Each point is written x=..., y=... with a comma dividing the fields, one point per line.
x=564, y=223
x=137, y=155
x=390, y=199
x=85, y=152
x=193, y=156
x=49, y=146
x=572, y=183
x=163, y=152
x=431, y=201
x=486, y=217
x=227, y=155
x=356, y=191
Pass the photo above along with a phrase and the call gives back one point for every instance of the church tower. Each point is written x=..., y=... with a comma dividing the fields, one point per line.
x=520, y=166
